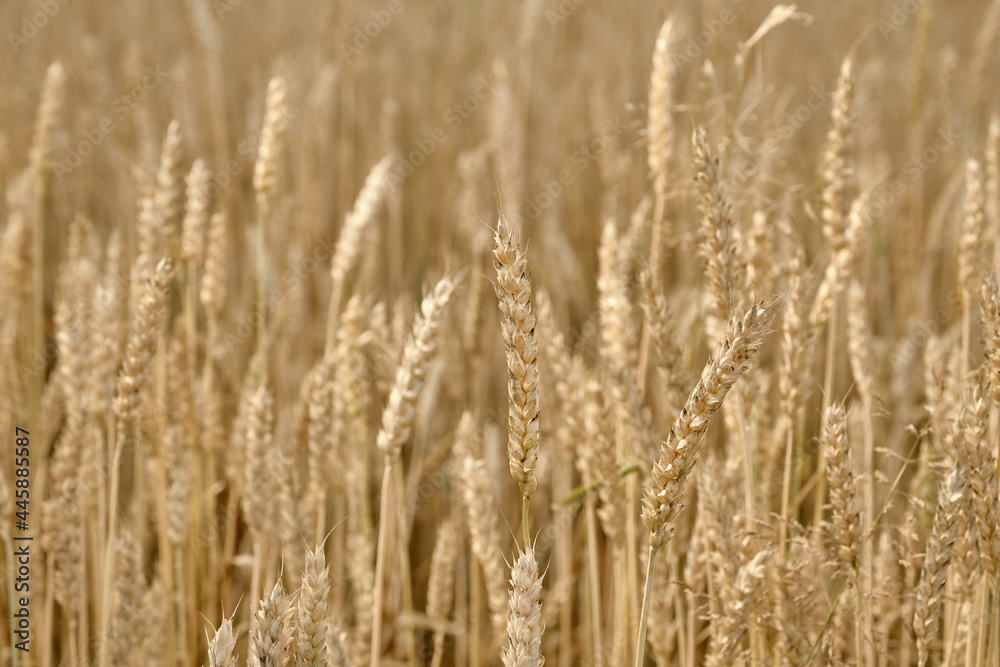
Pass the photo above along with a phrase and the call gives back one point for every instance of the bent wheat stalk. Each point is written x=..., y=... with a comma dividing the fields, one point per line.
x=397, y=424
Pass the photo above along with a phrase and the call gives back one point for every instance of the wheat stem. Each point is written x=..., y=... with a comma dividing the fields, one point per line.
x=647, y=594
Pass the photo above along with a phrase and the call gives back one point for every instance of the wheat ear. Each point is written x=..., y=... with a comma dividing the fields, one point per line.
x=524, y=613
x=518, y=325
x=270, y=629
x=345, y=255
x=312, y=616
x=222, y=646
x=931, y=589
x=264, y=181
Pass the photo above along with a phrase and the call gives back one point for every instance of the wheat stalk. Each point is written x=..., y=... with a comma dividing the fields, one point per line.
x=679, y=452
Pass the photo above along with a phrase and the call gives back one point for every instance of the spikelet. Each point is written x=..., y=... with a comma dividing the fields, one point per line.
x=271, y=628
x=659, y=124
x=846, y=520
x=148, y=320
x=931, y=589
x=360, y=566
x=986, y=39
x=972, y=230
x=312, y=614
x=679, y=452
x=168, y=198
x=836, y=169
x=213, y=285
x=989, y=300
x=613, y=305
x=196, y=213
x=49, y=111
x=656, y=311
x=859, y=340
x=275, y=122
x=993, y=179
x=718, y=247
x=179, y=467
x=794, y=339
x=345, y=255
x=978, y=456
x=846, y=246
x=125, y=634
x=318, y=388
x=513, y=290
x=524, y=614
x=507, y=141
x=260, y=476
x=222, y=646
x=15, y=249
x=397, y=418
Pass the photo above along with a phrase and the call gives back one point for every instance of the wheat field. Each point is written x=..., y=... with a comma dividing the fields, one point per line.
x=566, y=332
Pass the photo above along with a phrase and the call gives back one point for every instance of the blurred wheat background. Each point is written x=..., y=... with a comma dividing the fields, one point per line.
x=394, y=333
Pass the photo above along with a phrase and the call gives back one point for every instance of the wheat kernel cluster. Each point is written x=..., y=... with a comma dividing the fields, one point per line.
x=618, y=334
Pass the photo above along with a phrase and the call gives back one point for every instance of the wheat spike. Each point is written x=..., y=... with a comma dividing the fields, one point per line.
x=513, y=290
x=679, y=452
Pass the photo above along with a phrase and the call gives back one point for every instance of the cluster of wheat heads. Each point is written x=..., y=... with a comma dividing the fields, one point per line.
x=737, y=320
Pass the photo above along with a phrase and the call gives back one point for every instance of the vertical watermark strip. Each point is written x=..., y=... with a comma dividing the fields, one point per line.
x=21, y=618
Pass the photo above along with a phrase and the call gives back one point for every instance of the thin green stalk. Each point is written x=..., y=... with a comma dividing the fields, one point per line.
x=984, y=610
x=387, y=515
x=595, y=581
x=826, y=623
x=118, y=438
x=647, y=594
x=525, y=503
x=859, y=613
x=404, y=568
x=828, y=372
x=786, y=492
x=38, y=298
x=654, y=269
x=262, y=209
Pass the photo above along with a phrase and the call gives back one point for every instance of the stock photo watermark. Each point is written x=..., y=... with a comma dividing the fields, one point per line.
x=120, y=109
x=33, y=23
x=453, y=118
x=898, y=16
x=580, y=160
x=367, y=32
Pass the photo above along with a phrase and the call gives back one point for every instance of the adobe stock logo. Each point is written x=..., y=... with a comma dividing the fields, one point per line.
x=364, y=34
x=47, y=9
